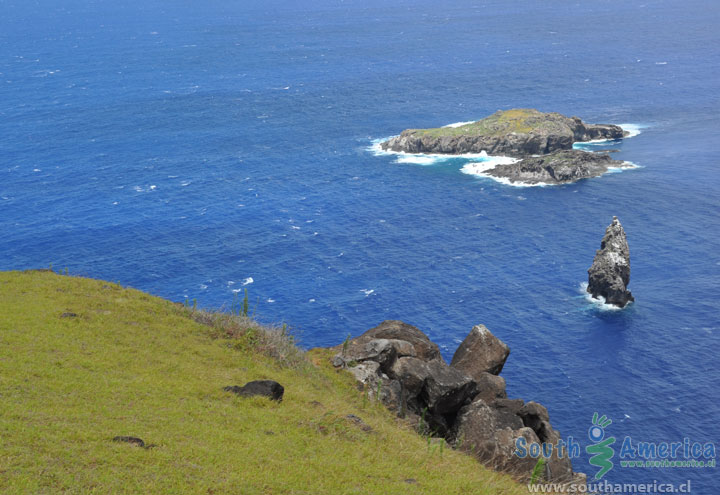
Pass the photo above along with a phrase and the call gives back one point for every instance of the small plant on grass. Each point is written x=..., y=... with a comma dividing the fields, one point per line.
x=537, y=471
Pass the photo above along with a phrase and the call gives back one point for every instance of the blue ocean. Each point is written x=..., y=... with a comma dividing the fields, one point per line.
x=197, y=149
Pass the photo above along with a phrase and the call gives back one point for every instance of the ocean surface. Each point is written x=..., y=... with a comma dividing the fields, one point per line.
x=195, y=149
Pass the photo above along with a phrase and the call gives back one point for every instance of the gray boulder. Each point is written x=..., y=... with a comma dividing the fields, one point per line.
x=382, y=351
x=396, y=330
x=609, y=275
x=490, y=434
x=490, y=387
x=436, y=385
x=480, y=352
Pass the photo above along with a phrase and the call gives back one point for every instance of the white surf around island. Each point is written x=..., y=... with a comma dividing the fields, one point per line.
x=598, y=302
x=478, y=164
x=437, y=158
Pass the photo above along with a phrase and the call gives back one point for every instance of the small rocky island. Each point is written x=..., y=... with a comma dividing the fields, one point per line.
x=559, y=167
x=463, y=403
x=609, y=275
x=543, y=143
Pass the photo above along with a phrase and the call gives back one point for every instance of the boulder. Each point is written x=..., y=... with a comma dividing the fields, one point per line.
x=267, y=388
x=490, y=434
x=381, y=351
x=490, y=387
x=367, y=372
x=609, y=275
x=535, y=416
x=397, y=330
x=480, y=352
x=512, y=406
x=435, y=385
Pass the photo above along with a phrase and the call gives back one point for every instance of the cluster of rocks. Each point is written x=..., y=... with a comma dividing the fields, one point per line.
x=609, y=275
x=465, y=402
x=561, y=167
x=542, y=141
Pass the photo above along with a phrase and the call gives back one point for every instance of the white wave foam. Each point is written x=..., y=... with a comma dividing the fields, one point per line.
x=418, y=159
x=598, y=302
x=435, y=158
x=594, y=142
x=626, y=165
x=248, y=281
x=367, y=292
x=633, y=129
x=144, y=189
x=460, y=124
x=480, y=169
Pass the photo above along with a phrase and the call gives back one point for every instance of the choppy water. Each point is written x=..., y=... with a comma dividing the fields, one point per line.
x=194, y=149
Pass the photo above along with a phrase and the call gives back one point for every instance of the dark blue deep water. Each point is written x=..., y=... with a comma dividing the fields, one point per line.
x=183, y=148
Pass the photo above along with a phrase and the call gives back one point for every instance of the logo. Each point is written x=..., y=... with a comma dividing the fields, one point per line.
x=600, y=449
x=633, y=453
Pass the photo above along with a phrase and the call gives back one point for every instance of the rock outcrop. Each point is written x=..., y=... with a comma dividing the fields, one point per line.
x=560, y=167
x=609, y=275
x=464, y=403
x=516, y=133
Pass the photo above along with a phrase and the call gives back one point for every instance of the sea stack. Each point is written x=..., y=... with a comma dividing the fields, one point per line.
x=609, y=275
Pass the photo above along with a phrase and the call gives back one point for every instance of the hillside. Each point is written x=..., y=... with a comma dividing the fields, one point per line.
x=83, y=361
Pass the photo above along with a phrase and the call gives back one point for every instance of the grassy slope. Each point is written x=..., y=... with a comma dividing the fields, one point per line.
x=519, y=120
x=134, y=364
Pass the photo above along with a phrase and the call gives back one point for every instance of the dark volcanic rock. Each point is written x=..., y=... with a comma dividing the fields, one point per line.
x=267, y=388
x=536, y=417
x=490, y=387
x=517, y=132
x=480, y=352
x=609, y=274
x=441, y=388
x=560, y=167
x=131, y=440
x=490, y=435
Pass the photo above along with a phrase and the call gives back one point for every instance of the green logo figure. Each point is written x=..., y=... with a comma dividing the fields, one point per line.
x=601, y=450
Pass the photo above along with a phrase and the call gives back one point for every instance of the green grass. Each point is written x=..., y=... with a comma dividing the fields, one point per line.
x=518, y=120
x=133, y=364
